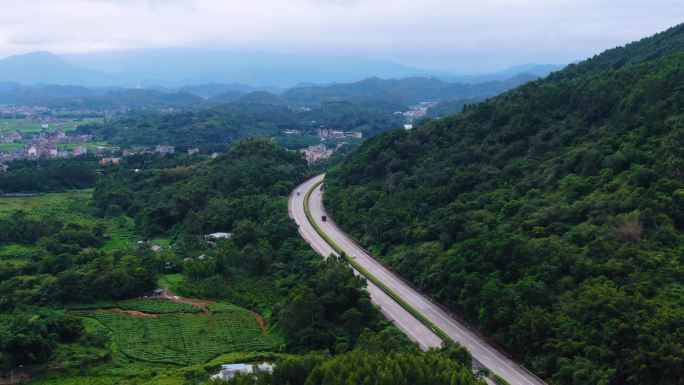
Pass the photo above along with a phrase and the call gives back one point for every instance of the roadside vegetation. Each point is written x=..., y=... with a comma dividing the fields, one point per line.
x=83, y=264
x=183, y=338
x=551, y=217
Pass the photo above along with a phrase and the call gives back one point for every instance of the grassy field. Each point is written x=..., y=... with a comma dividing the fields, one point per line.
x=74, y=207
x=171, y=281
x=17, y=255
x=9, y=147
x=43, y=202
x=27, y=126
x=163, y=242
x=184, y=339
x=120, y=233
x=21, y=125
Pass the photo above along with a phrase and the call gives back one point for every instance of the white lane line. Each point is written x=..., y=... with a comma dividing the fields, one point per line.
x=410, y=294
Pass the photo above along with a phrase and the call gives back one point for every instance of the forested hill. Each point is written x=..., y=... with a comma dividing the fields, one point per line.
x=212, y=129
x=403, y=91
x=647, y=49
x=551, y=217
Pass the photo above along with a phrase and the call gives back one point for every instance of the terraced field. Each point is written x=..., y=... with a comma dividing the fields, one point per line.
x=120, y=234
x=183, y=338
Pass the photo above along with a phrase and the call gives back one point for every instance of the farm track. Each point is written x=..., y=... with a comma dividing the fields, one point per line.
x=133, y=313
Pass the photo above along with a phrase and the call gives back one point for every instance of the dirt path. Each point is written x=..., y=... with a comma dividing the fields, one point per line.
x=203, y=303
x=198, y=303
x=259, y=319
x=133, y=313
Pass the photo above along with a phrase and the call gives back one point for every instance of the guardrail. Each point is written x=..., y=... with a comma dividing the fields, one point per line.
x=440, y=333
x=436, y=329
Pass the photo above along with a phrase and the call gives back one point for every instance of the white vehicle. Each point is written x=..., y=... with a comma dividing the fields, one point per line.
x=299, y=192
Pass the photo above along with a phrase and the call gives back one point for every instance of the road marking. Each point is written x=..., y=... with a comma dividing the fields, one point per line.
x=459, y=332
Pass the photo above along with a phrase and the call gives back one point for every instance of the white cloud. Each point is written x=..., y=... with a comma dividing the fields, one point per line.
x=463, y=35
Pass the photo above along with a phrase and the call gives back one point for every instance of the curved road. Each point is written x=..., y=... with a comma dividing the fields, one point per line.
x=481, y=351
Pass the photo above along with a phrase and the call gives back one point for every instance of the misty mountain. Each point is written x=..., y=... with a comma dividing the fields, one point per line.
x=228, y=96
x=8, y=86
x=181, y=66
x=214, y=89
x=539, y=70
x=211, y=72
x=263, y=97
x=79, y=97
x=403, y=91
x=44, y=67
x=384, y=93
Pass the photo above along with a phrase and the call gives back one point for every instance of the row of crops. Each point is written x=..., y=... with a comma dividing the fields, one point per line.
x=183, y=338
x=146, y=305
x=120, y=233
x=157, y=306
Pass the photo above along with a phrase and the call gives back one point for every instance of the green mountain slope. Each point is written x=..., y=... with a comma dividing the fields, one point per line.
x=403, y=91
x=551, y=217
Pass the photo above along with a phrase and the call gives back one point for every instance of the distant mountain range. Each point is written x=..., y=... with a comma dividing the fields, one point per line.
x=189, y=78
x=44, y=67
x=80, y=97
x=391, y=94
x=403, y=91
x=219, y=71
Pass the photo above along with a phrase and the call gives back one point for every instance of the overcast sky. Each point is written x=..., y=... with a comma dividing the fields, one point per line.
x=465, y=36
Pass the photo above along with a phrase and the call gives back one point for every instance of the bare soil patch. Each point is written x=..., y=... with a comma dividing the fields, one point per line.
x=199, y=303
x=133, y=313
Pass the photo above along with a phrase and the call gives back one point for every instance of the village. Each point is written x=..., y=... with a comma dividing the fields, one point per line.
x=47, y=144
x=58, y=144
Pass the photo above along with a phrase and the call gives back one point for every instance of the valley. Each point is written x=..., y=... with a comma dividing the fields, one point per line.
x=404, y=204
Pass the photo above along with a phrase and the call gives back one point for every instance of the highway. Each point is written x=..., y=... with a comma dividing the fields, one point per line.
x=481, y=351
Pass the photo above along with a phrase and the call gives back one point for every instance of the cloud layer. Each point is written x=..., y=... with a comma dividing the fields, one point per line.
x=466, y=36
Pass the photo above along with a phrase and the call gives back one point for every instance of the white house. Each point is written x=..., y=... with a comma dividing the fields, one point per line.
x=219, y=235
x=229, y=371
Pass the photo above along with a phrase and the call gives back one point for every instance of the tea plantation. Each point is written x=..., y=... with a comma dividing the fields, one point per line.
x=182, y=338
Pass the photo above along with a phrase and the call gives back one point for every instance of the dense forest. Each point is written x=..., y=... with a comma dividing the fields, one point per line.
x=551, y=217
x=69, y=262
x=265, y=265
x=49, y=175
x=213, y=128
x=78, y=97
x=402, y=92
x=390, y=365
x=35, y=176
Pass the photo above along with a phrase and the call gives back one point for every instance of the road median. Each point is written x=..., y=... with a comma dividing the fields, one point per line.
x=413, y=311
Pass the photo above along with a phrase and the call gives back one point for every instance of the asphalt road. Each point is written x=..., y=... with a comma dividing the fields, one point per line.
x=413, y=328
x=481, y=351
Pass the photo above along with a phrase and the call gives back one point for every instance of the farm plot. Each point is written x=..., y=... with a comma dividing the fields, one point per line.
x=157, y=306
x=120, y=234
x=17, y=255
x=49, y=204
x=183, y=338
